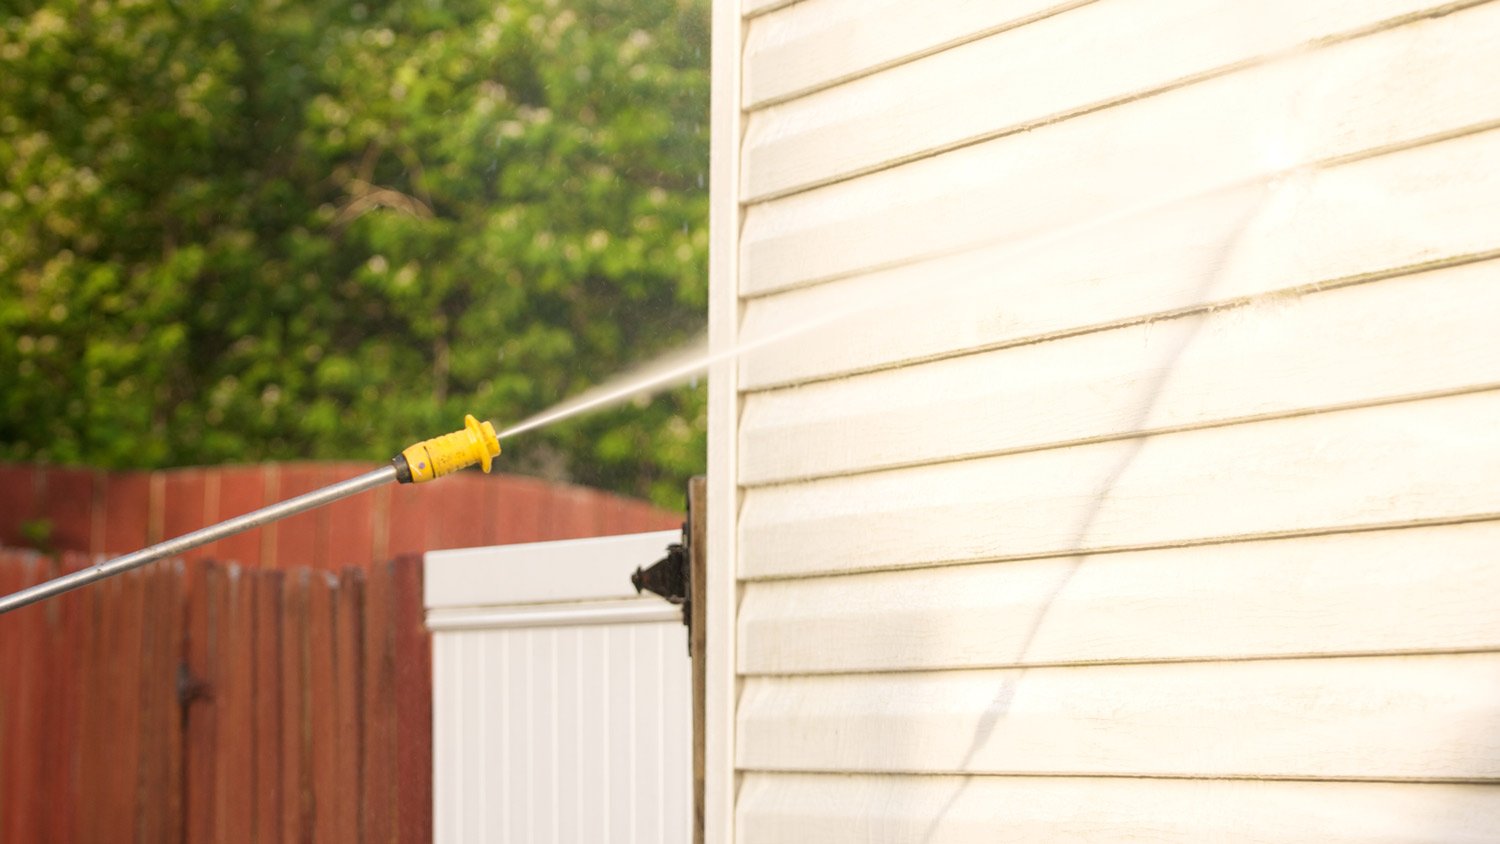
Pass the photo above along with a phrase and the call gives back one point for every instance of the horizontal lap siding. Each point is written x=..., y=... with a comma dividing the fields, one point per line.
x=969, y=810
x=1378, y=217
x=1433, y=76
x=812, y=45
x=1066, y=64
x=1376, y=718
x=1394, y=464
x=1388, y=591
x=1372, y=342
x=1124, y=468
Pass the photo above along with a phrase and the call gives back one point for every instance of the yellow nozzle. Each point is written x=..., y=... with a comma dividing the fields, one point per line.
x=439, y=456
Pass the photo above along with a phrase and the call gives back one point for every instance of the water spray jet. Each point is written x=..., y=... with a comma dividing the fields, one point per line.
x=479, y=442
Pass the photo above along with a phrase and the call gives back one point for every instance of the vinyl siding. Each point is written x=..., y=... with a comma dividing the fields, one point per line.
x=1126, y=466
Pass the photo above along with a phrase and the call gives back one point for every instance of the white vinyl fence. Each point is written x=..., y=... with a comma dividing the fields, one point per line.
x=561, y=700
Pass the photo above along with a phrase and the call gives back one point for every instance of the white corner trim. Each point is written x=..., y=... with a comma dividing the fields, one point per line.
x=721, y=683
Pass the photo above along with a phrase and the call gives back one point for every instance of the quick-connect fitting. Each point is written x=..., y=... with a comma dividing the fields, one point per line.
x=476, y=443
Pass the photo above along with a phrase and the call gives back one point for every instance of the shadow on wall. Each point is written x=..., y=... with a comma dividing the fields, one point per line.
x=86, y=510
x=1249, y=204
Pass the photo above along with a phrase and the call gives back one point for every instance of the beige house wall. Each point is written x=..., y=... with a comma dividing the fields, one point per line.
x=1117, y=451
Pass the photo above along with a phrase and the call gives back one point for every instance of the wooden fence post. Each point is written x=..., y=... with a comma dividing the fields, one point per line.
x=267, y=705
x=233, y=688
x=322, y=689
x=348, y=647
x=198, y=688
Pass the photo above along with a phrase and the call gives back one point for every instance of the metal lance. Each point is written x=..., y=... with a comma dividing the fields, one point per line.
x=476, y=443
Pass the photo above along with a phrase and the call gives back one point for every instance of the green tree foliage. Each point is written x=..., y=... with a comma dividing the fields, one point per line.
x=261, y=229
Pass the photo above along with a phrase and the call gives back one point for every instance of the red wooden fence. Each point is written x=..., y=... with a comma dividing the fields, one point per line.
x=288, y=699
x=200, y=702
x=116, y=512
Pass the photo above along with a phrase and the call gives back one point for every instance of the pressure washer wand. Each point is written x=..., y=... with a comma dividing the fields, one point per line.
x=420, y=463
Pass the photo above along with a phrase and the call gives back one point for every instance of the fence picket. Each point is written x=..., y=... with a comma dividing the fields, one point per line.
x=349, y=685
x=32, y=740
x=234, y=747
x=322, y=703
x=198, y=689
x=10, y=680
x=67, y=648
x=296, y=726
x=378, y=798
x=267, y=704
x=17, y=807
x=118, y=699
x=93, y=681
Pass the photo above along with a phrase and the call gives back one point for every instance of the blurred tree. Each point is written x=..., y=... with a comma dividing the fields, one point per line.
x=258, y=229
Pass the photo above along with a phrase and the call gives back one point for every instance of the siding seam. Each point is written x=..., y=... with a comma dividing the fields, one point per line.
x=1101, y=663
x=1460, y=519
x=1265, y=178
x=895, y=772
